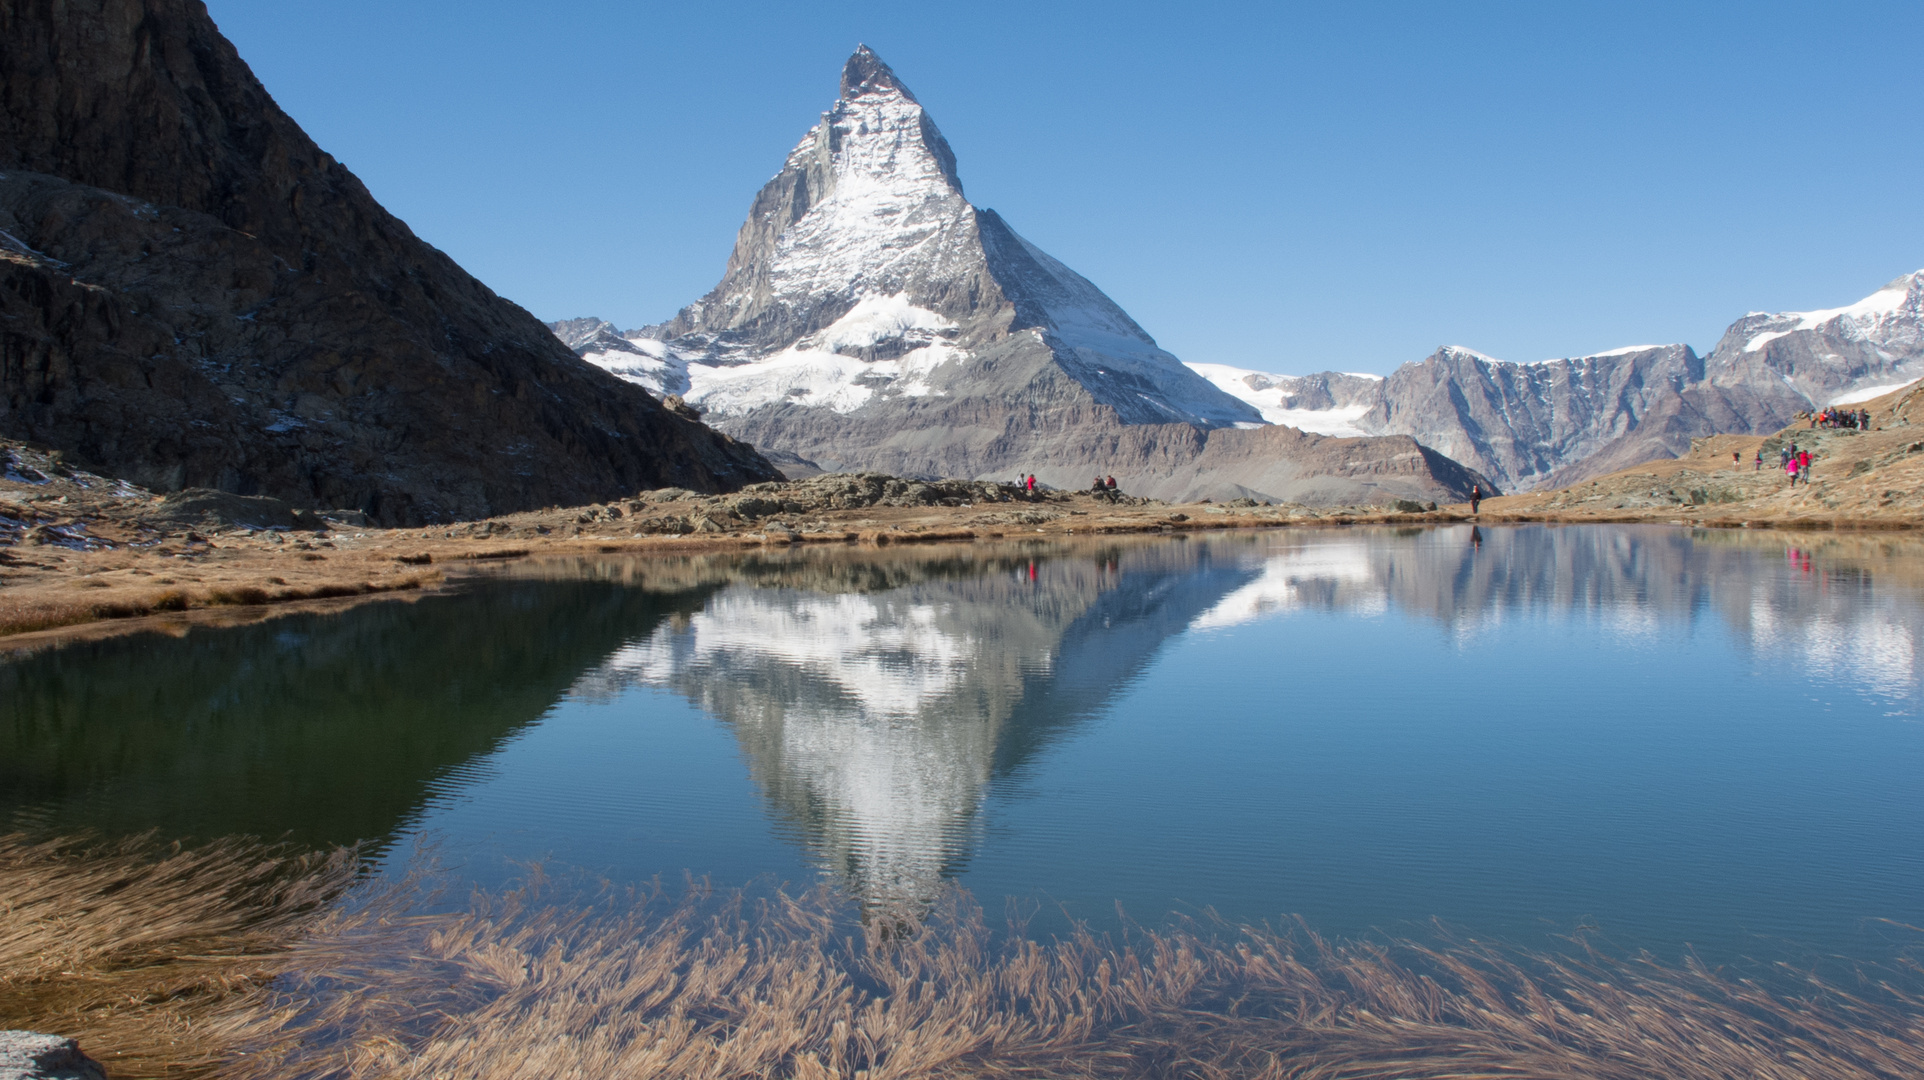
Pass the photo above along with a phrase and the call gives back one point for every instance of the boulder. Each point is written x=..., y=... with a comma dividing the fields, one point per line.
x=29, y=1055
x=196, y=505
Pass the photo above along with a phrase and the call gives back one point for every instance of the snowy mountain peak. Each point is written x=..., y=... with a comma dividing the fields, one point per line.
x=872, y=317
x=866, y=73
x=1830, y=354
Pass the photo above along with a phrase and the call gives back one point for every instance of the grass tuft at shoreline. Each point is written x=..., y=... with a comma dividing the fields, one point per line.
x=238, y=959
x=25, y=614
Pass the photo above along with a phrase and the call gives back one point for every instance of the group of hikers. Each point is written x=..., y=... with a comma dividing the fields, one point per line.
x=1794, y=462
x=1026, y=484
x=1842, y=418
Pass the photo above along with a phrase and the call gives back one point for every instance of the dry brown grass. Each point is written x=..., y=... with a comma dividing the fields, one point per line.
x=156, y=957
x=639, y=983
x=640, y=986
x=20, y=614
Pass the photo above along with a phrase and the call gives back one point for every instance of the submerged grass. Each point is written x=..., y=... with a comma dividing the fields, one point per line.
x=157, y=957
x=243, y=957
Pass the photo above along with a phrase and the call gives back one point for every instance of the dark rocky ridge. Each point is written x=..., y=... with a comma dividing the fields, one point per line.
x=193, y=294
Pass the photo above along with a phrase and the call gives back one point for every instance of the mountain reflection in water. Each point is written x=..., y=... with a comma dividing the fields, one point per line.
x=876, y=719
x=878, y=697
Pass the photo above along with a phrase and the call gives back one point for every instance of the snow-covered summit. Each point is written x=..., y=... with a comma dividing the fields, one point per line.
x=864, y=285
x=1901, y=300
x=1832, y=353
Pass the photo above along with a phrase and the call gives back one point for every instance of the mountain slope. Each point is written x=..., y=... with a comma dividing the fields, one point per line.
x=870, y=317
x=863, y=277
x=194, y=294
x=1530, y=425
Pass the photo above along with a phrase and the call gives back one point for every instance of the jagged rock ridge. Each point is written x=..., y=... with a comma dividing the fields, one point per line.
x=871, y=317
x=193, y=294
x=1555, y=422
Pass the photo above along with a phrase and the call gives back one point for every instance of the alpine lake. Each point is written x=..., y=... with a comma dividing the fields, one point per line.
x=1691, y=742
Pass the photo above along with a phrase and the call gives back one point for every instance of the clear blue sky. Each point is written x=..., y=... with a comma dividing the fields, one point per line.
x=1277, y=186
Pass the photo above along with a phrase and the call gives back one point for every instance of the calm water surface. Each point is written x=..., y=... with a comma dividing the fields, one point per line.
x=1702, y=740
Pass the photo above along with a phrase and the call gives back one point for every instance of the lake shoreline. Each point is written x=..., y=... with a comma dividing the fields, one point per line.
x=215, y=575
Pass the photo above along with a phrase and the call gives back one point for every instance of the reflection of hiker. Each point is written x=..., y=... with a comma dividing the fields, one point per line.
x=1476, y=538
x=1476, y=497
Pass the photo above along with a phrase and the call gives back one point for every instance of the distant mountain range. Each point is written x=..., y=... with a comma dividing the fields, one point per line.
x=193, y=294
x=1559, y=421
x=870, y=317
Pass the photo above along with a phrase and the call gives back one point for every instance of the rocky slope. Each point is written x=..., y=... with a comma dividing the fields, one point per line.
x=871, y=317
x=1559, y=421
x=193, y=294
x=1868, y=478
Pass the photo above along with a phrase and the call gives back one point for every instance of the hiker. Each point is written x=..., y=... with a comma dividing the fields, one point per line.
x=1760, y=460
x=1790, y=467
x=1736, y=461
x=1031, y=485
x=1803, y=467
x=1110, y=483
x=1097, y=485
x=1864, y=419
x=1476, y=497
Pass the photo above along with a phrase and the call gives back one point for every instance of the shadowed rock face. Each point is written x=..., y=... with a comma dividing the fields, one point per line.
x=872, y=318
x=195, y=295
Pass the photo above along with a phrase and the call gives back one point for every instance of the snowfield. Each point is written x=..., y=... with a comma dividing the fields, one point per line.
x=1271, y=394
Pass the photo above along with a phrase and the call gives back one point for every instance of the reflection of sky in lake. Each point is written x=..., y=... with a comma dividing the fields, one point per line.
x=880, y=725
x=1682, y=737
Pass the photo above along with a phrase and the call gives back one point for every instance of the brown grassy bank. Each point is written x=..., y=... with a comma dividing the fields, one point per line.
x=77, y=549
x=25, y=612
x=235, y=960
x=97, y=555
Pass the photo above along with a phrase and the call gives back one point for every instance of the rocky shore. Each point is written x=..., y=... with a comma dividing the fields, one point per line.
x=29, y=1055
x=85, y=554
x=1871, y=478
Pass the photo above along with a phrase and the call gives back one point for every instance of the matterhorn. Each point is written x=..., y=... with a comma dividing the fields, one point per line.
x=872, y=318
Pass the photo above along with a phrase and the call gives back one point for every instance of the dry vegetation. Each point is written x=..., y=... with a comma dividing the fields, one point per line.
x=1860, y=479
x=159, y=961
x=77, y=550
x=156, y=957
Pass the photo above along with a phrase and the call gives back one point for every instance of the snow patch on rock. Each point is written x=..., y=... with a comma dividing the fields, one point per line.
x=1869, y=392
x=1276, y=398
